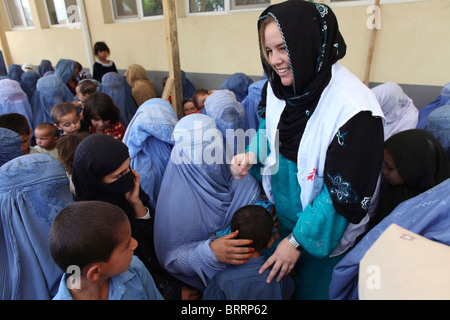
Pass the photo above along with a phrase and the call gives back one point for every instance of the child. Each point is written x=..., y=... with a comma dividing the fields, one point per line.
x=67, y=146
x=84, y=89
x=95, y=237
x=103, y=116
x=243, y=282
x=189, y=106
x=46, y=135
x=200, y=96
x=66, y=118
x=103, y=65
x=18, y=123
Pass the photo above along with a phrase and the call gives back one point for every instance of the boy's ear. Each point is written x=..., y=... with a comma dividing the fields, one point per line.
x=270, y=243
x=93, y=272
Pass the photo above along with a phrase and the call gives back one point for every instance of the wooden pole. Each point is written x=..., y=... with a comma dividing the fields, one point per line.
x=170, y=21
x=371, y=49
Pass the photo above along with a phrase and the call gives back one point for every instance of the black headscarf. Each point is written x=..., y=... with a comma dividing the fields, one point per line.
x=314, y=43
x=420, y=161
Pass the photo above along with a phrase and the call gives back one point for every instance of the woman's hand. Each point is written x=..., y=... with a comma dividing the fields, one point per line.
x=133, y=199
x=241, y=164
x=230, y=251
x=284, y=259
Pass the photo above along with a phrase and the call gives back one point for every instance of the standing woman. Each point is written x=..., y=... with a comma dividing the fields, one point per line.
x=325, y=144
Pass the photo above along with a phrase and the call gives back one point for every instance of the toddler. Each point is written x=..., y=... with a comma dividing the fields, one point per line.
x=66, y=118
x=46, y=135
x=103, y=65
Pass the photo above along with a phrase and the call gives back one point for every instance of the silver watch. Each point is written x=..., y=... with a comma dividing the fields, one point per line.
x=295, y=243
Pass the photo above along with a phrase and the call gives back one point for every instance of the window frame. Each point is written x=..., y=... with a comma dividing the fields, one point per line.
x=69, y=25
x=229, y=7
x=139, y=17
x=21, y=12
x=348, y=3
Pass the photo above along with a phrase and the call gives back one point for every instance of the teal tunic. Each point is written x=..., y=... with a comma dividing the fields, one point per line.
x=318, y=227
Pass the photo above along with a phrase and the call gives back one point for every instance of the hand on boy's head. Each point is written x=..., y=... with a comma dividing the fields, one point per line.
x=229, y=250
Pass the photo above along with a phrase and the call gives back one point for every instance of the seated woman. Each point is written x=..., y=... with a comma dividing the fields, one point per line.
x=116, y=86
x=33, y=189
x=408, y=172
x=101, y=172
x=14, y=100
x=198, y=197
x=426, y=215
x=149, y=139
x=399, y=110
x=142, y=87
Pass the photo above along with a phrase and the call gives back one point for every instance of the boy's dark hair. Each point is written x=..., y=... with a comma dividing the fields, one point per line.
x=52, y=130
x=85, y=232
x=200, y=91
x=87, y=87
x=61, y=109
x=16, y=122
x=254, y=223
x=100, y=104
x=100, y=46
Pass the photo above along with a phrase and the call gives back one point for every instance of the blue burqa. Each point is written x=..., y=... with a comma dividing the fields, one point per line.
x=149, y=141
x=33, y=189
x=65, y=69
x=442, y=100
x=10, y=145
x=14, y=100
x=251, y=102
x=29, y=82
x=198, y=197
x=427, y=214
x=238, y=83
x=116, y=86
x=50, y=90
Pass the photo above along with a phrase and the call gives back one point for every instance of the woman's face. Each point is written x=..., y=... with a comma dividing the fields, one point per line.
x=390, y=170
x=119, y=173
x=277, y=54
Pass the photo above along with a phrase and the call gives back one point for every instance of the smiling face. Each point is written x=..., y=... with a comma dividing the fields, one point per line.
x=276, y=53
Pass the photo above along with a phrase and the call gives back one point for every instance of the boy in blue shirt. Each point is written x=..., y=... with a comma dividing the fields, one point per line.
x=94, y=238
x=243, y=282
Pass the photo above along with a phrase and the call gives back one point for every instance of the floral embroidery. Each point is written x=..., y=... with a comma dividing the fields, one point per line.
x=342, y=190
x=340, y=138
x=323, y=10
x=365, y=203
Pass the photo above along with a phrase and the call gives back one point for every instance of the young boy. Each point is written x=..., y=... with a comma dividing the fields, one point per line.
x=91, y=241
x=243, y=282
x=46, y=135
x=18, y=123
x=66, y=118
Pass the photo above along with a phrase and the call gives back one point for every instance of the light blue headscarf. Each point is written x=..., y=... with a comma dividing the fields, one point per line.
x=442, y=100
x=439, y=126
x=238, y=83
x=10, y=145
x=251, y=102
x=14, y=100
x=29, y=82
x=33, y=189
x=149, y=141
x=426, y=214
x=229, y=114
x=50, y=90
x=196, y=200
x=116, y=86
x=65, y=69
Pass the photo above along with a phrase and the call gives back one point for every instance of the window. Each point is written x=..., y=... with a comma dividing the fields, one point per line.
x=136, y=9
x=62, y=12
x=196, y=6
x=19, y=14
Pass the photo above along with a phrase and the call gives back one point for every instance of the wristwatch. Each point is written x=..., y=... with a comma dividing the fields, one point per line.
x=295, y=243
